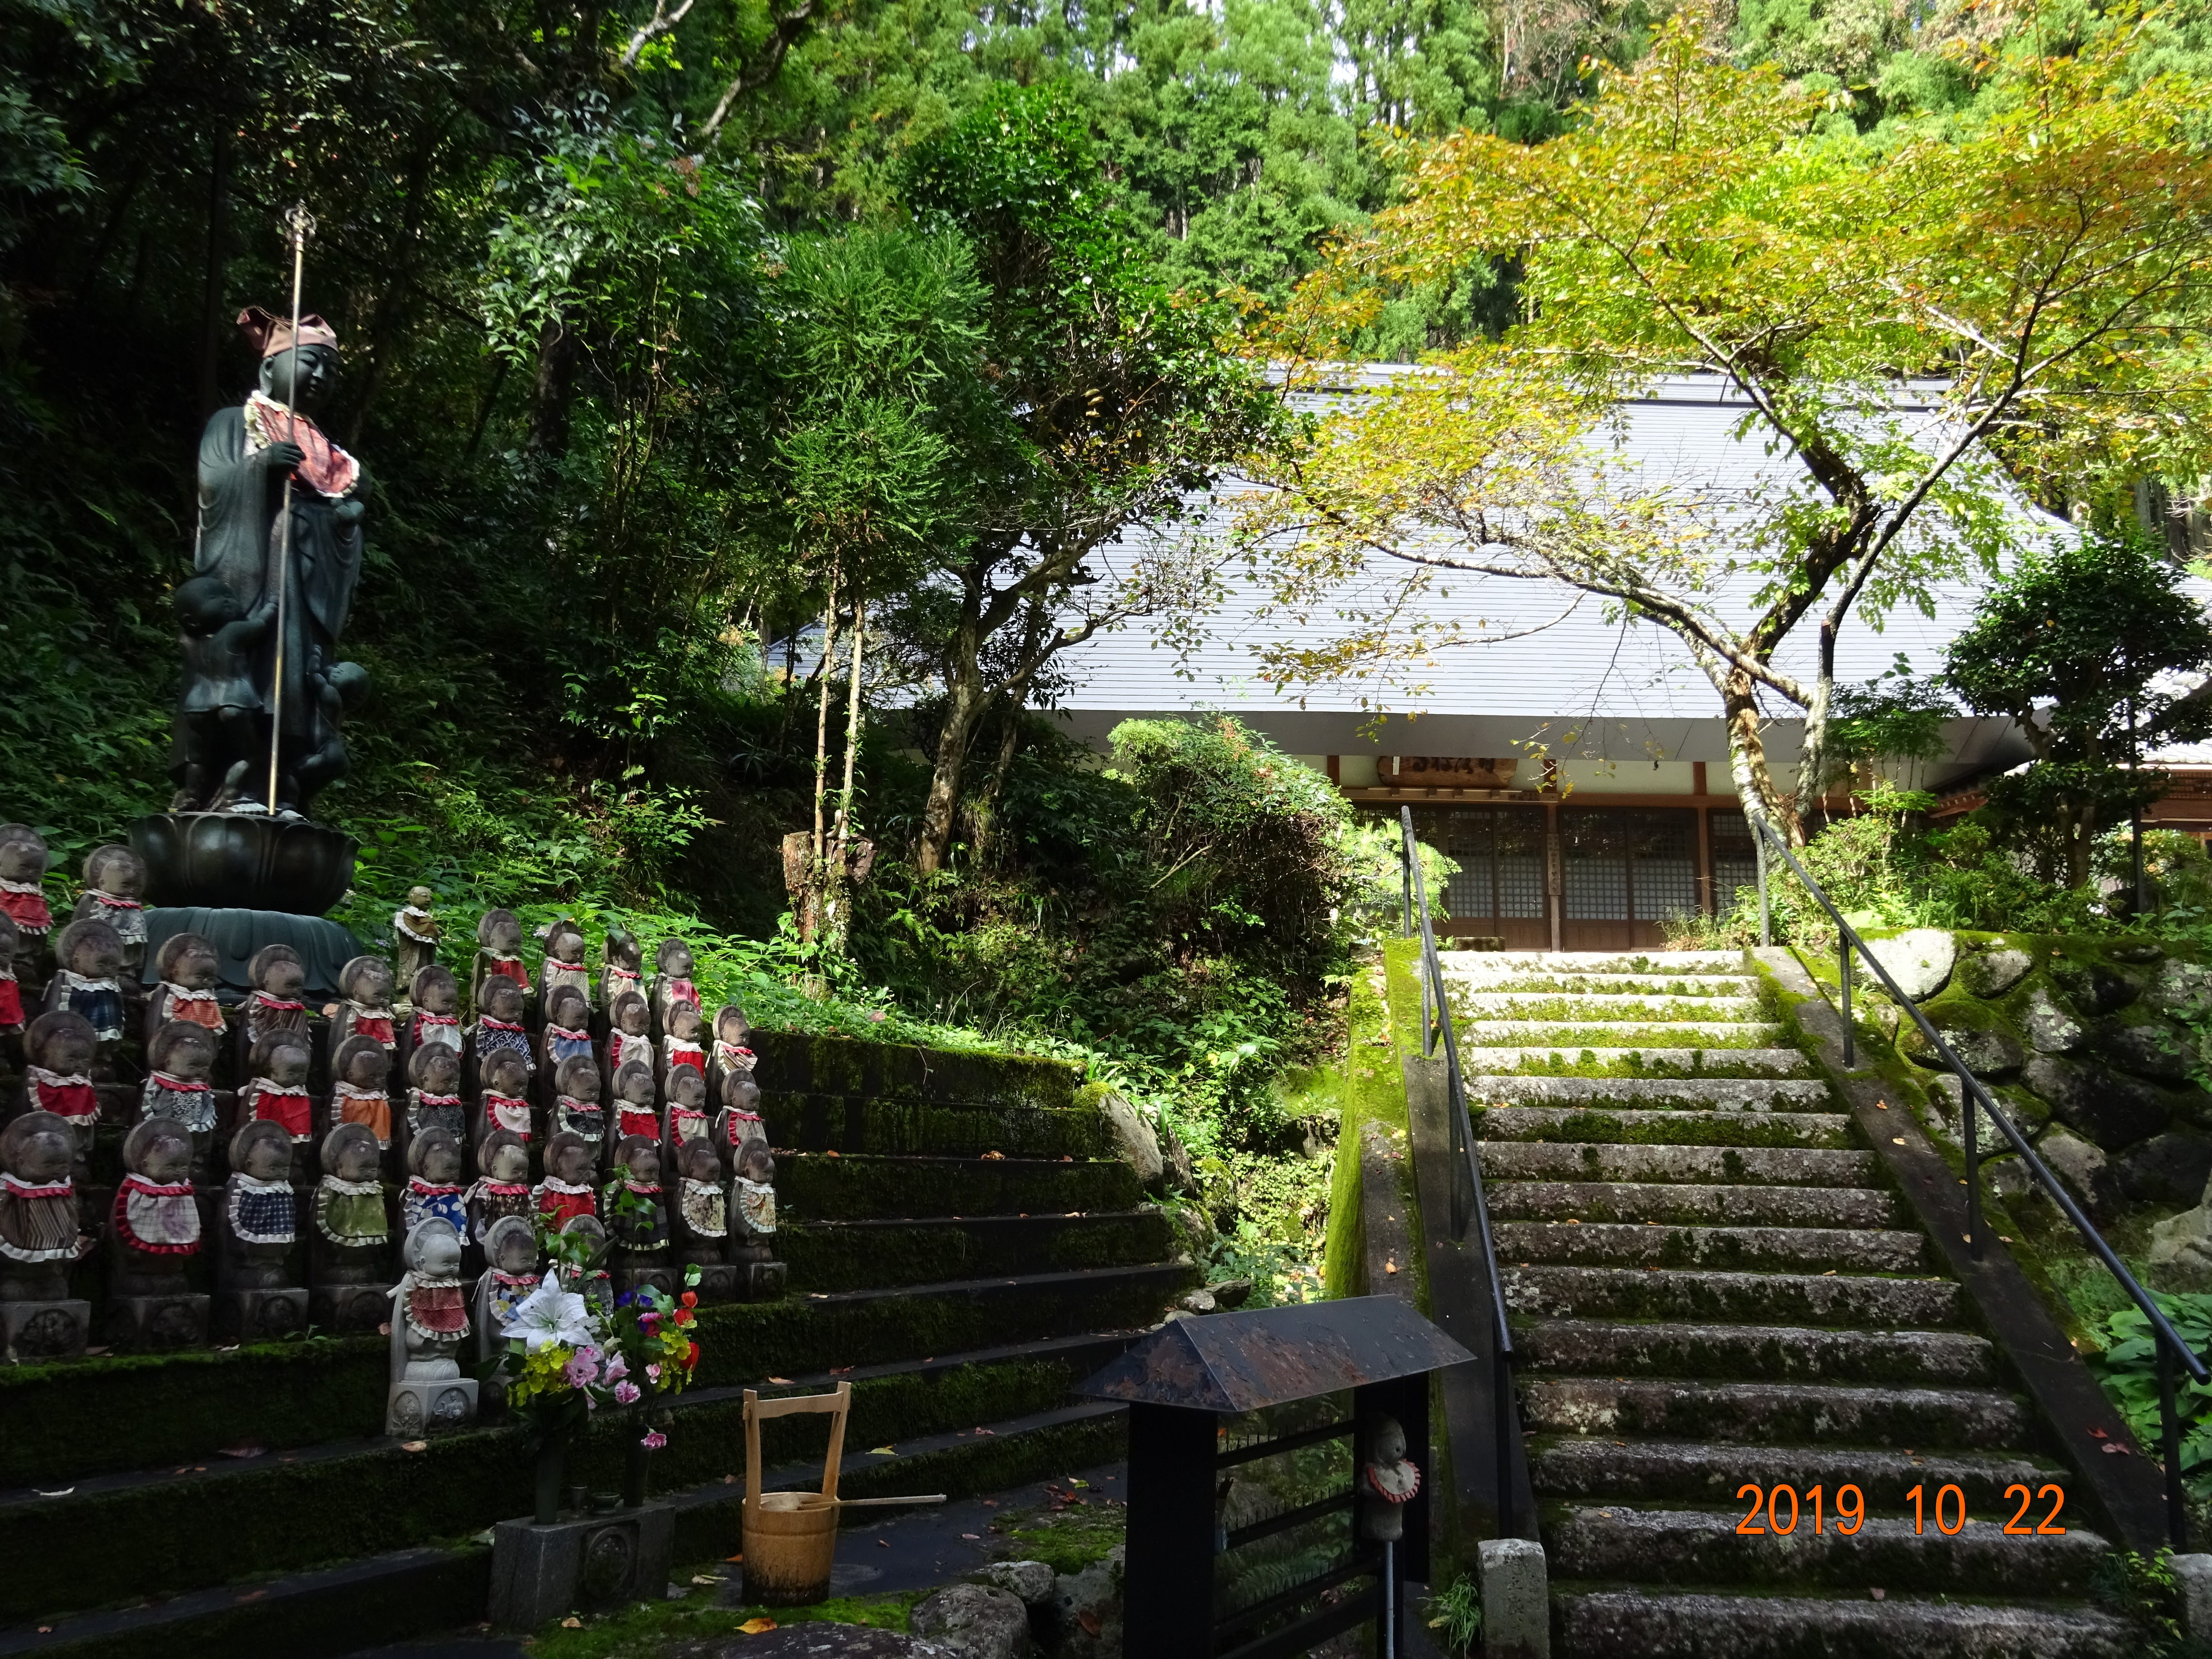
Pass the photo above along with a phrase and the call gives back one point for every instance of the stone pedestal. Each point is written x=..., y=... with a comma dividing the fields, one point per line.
x=718, y=1282
x=259, y=1316
x=31, y=1331
x=417, y=1407
x=583, y=1564
x=761, y=1281
x=144, y=1324
x=350, y=1310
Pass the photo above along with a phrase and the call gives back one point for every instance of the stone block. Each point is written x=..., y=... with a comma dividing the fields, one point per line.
x=259, y=1316
x=1919, y=960
x=762, y=1281
x=439, y=1406
x=2193, y=1573
x=2111, y=1109
x=582, y=1564
x=1516, y=1602
x=148, y=1324
x=2051, y=1028
x=348, y=1309
x=973, y=1621
x=1993, y=972
x=666, y=1279
x=718, y=1282
x=33, y=1331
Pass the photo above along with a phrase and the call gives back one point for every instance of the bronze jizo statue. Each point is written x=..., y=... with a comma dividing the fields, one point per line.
x=262, y=618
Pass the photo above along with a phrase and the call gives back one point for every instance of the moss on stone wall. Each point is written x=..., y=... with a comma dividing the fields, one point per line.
x=846, y=1257
x=1374, y=1090
x=815, y=1188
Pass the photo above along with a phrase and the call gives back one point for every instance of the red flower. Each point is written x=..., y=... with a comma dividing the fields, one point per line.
x=690, y=1299
x=693, y=1357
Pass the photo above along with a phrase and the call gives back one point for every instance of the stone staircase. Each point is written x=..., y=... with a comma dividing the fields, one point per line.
x=1713, y=1288
x=964, y=1247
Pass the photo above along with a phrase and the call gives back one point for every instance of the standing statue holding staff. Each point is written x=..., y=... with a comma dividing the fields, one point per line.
x=278, y=559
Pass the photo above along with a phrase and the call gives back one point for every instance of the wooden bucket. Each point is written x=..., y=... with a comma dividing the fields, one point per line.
x=790, y=1541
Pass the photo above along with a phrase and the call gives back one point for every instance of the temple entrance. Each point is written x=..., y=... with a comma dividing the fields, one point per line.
x=1499, y=889
x=1625, y=869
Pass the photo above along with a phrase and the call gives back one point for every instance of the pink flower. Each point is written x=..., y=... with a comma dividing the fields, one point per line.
x=582, y=1370
x=655, y=1440
x=627, y=1394
x=618, y=1369
x=652, y=1374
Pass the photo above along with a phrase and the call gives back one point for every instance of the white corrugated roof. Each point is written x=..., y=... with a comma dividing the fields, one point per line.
x=1629, y=689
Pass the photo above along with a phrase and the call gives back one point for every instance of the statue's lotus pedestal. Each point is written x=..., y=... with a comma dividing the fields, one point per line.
x=244, y=880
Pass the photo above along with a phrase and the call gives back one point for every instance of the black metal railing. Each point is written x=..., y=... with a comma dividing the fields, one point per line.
x=1975, y=1100
x=1470, y=1211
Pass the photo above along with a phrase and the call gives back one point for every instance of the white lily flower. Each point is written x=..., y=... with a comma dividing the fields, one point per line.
x=552, y=1317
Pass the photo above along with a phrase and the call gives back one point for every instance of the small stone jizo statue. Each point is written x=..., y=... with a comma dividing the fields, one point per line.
x=115, y=893
x=429, y=1327
x=40, y=1239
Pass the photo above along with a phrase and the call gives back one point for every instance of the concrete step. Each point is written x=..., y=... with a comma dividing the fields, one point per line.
x=1762, y=1413
x=1702, y=1473
x=1684, y=1202
x=1663, y=1129
x=1641, y=1034
x=1600, y=962
x=1695, y=1062
x=1740, y=1250
x=1557, y=1006
x=1843, y=1299
x=1687, y=1547
x=1769, y=1166
x=1781, y=1353
x=900, y=1128
x=847, y=1255
x=1725, y=1094
x=1614, y=1624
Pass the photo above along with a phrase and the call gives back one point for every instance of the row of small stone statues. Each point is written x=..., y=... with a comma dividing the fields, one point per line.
x=157, y=1224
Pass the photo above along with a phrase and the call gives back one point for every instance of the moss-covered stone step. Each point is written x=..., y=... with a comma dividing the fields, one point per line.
x=1610, y=1623
x=1559, y=1007
x=1684, y=1547
x=193, y=1526
x=1778, y=1354
x=413, y=1592
x=900, y=1128
x=1594, y=1467
x=1750, y=1250
x=1636, y=1062
x=1596, y=961
x=790, y=1063
x=1754, y=1413
x=109, y=1414
x=843, y=1256
x=1725, y=1094
x=819, y=1188
x=1586, y=1161
x=1569, y=983
x=1638, y=1034
x=1756, y=1299
x=1663, y=1129
x=1708, y=1205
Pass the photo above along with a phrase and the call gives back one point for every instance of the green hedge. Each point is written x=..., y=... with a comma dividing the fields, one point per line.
x=817, y=1188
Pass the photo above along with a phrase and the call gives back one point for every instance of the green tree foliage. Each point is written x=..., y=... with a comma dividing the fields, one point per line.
x=2079, y=647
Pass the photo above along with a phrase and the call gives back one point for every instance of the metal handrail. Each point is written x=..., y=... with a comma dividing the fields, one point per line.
x=1468, y=1204
x=1972, y=1094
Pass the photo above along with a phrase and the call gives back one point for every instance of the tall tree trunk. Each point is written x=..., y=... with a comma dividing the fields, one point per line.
x=986, y=812
x=810, y=913
x=555, y=393
x=1813, y=756
x=966, y=703
x=837, y=909
x=1748, y=765
x=218, y=237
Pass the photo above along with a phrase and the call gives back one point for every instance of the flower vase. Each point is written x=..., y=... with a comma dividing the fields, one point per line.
x=637, y=1466
x=552, y=1457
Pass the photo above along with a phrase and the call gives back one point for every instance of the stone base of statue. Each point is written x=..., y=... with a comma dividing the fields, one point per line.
x=350, y=1310
x=324, y=946
x=587, y=1564
x=31, y=1331
x=664, y=1278
x=718, y=1282
x=259, y=1316
x=244, y=861
x=422, y=1405
x=761, y=1281
x=149, y=1324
